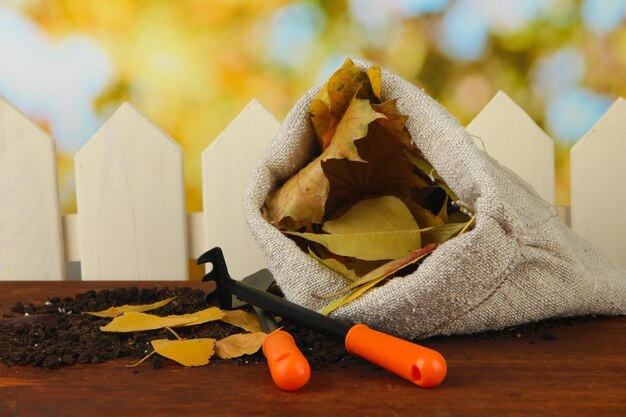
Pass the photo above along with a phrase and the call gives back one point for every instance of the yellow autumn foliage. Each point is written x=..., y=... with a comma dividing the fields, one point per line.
x=119, y=310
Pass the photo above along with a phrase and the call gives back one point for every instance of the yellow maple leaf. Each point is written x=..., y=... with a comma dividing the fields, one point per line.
x=193, y=352
x=242, y=319
x=238, y=345
x=119, y=310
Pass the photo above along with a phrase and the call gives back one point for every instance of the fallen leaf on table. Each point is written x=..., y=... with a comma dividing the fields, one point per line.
x=242, y=319
x=192, y=352
x=118, y=311
x=136, y=322
x=238, y=345
x=203, y=316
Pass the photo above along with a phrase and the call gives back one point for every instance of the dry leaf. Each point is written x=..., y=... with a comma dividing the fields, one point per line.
x=203, y=316
x=373, y=73
x=425, y=166
x=238, y=345
x=193, y=352
x=373, y=229
x=387, y=172
x=118, y=311
x=336, y=266
x=330, y=104
x=440, y=234
x=301, y=200
x=137, y=322
x=242, y=319
x=364, y=284
x=357, y=206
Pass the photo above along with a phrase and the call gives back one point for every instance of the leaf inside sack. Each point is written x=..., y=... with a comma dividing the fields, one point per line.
x=193, y=352
x=368, y=281
x=331, y=103
x=386, y=172
x=302, y=199
x=119, y=310
x=242, y=319
x=373, y=229
x=428, y=169
x=136, y=322
x=336, y=266
x=374, y=75
x=441, y=233
x=237, y=345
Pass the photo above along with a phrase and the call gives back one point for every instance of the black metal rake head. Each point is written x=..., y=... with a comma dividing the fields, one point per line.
x=219, y=274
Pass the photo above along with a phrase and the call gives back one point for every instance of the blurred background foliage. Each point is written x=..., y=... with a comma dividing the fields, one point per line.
x=192, y=65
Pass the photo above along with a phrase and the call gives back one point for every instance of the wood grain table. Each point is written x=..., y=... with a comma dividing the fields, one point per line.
x=579, y=372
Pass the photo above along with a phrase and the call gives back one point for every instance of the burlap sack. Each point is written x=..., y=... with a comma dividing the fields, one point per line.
x=519, y=264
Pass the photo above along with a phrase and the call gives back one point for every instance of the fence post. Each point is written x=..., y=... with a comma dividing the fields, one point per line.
x=226, y=166
x=31, y=247
x=598, y=176
x=131, y=202
x=512, y=138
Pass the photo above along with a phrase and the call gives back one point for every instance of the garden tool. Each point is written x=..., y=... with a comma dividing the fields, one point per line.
x=417, y=364
x=289, y=368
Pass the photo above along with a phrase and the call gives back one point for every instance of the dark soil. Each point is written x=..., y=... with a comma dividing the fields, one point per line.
x=55, y=333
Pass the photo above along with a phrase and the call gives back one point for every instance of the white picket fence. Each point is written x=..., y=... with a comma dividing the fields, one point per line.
x=132, y=222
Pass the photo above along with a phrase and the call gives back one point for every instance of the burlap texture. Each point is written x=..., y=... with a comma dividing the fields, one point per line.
x=520, y=263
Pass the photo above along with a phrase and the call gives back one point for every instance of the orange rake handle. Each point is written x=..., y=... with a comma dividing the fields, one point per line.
x=289, y=368
x=422, y=366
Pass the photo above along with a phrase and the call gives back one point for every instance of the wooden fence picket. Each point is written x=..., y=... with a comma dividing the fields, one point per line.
x=132, y=222
x=598, y=178
x=31, y=246
x=226, y=165
x=512, y=138
x=131, y=202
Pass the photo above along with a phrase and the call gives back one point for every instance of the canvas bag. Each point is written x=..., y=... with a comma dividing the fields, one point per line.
x=519, y=264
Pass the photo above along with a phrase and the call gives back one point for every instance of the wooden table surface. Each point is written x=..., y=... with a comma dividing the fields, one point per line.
x=582, y=371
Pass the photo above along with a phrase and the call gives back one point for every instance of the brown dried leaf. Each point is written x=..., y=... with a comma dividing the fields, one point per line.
x=242, y=319
x=333, y=100
x=387, y=172
x=301, y=200
x=238, y=345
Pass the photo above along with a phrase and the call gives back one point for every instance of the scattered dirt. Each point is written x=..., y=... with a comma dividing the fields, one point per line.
x=55, y=333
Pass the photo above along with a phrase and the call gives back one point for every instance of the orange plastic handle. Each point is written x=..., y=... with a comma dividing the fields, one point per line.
x=289, y=368
x=422, y=366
